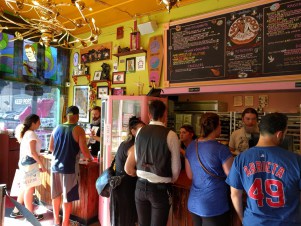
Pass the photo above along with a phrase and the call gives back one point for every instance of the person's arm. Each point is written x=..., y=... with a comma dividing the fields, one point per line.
x=95, y=138
x=51, y=144
x=80, y=134
x=236, y=196
x=227, y=165
x=188, y=169
x=174, y=147
x=35, y=155
x=130, y=164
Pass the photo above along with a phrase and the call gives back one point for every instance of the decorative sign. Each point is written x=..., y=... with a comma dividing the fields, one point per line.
x=140, y=63
x=261, y=41
x=155, y=58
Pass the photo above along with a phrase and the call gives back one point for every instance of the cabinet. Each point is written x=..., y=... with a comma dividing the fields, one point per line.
x=9, y=153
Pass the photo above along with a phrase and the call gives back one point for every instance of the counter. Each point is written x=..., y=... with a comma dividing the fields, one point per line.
x=84, y=210
x=179, y=214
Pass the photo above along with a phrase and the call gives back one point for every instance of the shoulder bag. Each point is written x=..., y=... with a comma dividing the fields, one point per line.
x=103, y=181
x=202, y=165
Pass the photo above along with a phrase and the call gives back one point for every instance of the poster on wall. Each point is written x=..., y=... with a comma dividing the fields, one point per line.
x=50, y=63
x=81, y=100
x=30, y=58
x=6, y=53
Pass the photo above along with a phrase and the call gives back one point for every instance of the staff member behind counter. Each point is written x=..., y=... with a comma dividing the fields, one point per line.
x=239, y=139
x=94, y=141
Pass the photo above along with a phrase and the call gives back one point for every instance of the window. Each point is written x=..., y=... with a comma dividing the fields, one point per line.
x=21, y=99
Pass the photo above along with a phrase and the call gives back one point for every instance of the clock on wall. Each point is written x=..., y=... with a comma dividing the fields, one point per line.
x=75, y=59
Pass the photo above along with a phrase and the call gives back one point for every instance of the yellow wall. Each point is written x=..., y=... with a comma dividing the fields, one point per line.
x=109, y=35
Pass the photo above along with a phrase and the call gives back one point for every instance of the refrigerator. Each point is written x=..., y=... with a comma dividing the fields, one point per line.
x=115, y=113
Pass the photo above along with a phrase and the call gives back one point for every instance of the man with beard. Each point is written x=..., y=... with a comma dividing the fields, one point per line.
x=239, y=140
x=95, y=131
x=270, y=176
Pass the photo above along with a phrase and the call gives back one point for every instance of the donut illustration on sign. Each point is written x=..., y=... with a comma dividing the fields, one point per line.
x=243, y=30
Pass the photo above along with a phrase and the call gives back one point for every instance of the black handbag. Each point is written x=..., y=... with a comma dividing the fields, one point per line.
x=103, y=181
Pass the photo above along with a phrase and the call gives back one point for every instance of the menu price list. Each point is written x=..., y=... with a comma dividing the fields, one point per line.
x=197, y=50
x=282, y=39
x=260, y=41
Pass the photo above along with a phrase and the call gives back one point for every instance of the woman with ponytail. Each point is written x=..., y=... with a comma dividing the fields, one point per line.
x=29, y=161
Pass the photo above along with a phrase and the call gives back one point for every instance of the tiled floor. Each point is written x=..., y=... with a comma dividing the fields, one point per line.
x=47, y=221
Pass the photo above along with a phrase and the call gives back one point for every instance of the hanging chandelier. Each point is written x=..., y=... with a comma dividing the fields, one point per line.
x=47, y=23
x=169, y=3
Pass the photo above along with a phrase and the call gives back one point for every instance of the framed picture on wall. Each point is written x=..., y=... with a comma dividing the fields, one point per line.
x=118, y=77
x=81, y=100
x=102, y=90
x=118, y=91
x=97, y=75
x=130, y=64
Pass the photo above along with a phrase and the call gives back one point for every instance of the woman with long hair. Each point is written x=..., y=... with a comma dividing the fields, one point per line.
x=208, y=163
x=29, y=161
x=122, y=203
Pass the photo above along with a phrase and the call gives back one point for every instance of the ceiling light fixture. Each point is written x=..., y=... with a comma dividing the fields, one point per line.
x=169, y=3
x=47, y=23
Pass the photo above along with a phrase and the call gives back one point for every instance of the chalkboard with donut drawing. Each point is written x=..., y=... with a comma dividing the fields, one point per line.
x=244, y=42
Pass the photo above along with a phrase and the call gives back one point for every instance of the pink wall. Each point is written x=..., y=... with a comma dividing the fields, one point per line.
x=281, y=101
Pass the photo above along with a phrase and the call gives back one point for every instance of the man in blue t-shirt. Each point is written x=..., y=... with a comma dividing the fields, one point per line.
x=271, y=177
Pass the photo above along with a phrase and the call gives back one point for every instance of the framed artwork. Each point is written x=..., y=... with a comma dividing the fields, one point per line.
x=118, y=91
x=81, y=100
x=97, y=75
x=30, y=56
x=249, y=101
x=118, y=77
x=130, y=64
x=102, y=90
x=237, y=101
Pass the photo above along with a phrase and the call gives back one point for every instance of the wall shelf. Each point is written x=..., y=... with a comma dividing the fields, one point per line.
x=130, y=53
x=94, y=83
x=75, y=77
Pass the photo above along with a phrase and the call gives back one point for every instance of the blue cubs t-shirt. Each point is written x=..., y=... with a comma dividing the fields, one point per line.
x=271, y=177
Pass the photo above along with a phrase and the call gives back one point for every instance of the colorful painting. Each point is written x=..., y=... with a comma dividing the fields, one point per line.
x=81, y=100
x=51, y=63
x=30, y=58
x=6, y=53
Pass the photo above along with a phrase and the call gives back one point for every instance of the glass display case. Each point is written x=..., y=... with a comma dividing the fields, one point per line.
x=21, y=99
x=115, y=114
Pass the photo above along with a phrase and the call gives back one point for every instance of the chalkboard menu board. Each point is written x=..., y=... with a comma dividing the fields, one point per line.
x=261, y=41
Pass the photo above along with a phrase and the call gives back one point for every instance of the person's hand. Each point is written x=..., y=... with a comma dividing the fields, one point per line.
x=92, y=133
x=43, y=169
x=90, y=159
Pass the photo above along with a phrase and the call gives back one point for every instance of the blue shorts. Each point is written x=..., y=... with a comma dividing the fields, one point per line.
x=66, y=184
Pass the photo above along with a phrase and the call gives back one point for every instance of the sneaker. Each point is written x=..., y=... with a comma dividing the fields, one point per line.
x=39, y=216
x=16, y=215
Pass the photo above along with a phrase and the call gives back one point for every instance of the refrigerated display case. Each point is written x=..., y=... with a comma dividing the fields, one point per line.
x=115, y=114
